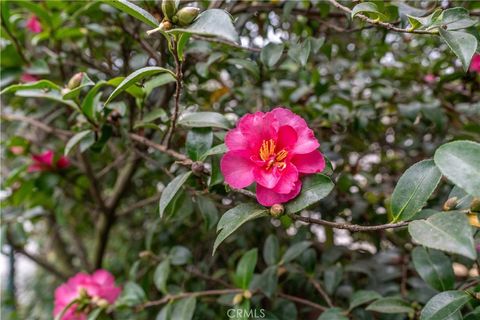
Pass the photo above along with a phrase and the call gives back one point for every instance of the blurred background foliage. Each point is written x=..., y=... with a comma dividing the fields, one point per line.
x=378, y=102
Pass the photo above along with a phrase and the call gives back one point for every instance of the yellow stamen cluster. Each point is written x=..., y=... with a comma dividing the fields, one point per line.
x=267, y=150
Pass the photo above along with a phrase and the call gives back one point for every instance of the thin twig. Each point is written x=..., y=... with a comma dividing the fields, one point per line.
x=139, y=204
x=322, y=292
x=385, y=25
x=37, y=124
x=169, y=298
x=302, y=301
x=174, y=154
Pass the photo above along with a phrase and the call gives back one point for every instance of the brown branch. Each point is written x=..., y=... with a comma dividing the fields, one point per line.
x=174, y=154
x=348, y=226
x=302, y=301
x=139, y=204
x=169, y=298
x=322, y=292
x=385, y=25
x=38, y=124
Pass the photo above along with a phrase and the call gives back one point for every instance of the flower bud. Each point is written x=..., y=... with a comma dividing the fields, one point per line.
x=237, y=299
x=450, y=204
x=475, y=205
x=169, y=8
x=75, y=81
x=277, y=210
x=247, y=294
x=473, y=219
x=198, y=168
x=187, y=15
x=102, y=303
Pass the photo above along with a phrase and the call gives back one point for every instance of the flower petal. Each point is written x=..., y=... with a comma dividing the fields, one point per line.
x=286, y=139
x=288, y=180
x=237, y=169
x=267, y=178
x=235, y=140
x=63, y=162
x=257, y=128
x=45, y=158
x=312, y=162
x=268, y=197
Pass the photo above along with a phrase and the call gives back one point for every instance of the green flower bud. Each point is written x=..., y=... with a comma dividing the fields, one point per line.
x=75, y=81
x=277, y=210
x=169, y=8
x=187, y=15
x=450, y=204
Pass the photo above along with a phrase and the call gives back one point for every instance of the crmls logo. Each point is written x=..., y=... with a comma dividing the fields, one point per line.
x=246, y=314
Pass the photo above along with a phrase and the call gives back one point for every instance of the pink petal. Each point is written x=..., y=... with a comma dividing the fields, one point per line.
x=267, y=197
x=475, y=63
x=45, y=158
x=34, y=25
x=306, y=141
x=267, y=178
x=287, y=181
x=287, y=138
x=235, y=140
x=237, y=169
x=37, y=167
x=103, y=278
x=312, y=162
x=26, y=78
x=257, y=128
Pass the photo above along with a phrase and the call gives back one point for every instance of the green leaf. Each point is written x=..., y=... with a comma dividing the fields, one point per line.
x=413, y=189
x=161, y=274
x=76, y=140
x=219, y=149
x=204, y=120
x=182, y=42
x=171, y=190
x=361, y=297
x=245, y=268
x=294, y=251
x=41, y=84
x=462, y=44
x=368, y=8
x=135, y=11
x=135, y=77
x=212, y=23
x=134, y=90
x=93, y=315
x=248, y=65
x=199, y=140
x=457, y=18
x=73, y=93
x=444, y=305
x=390, y=305
x=165, y=313
x=300, y=52
x=156, y=82
x=236, y=217
x=179, y=255
x=434, y=267
x=271, y=53
x=88, y=103
x=51, y=95
x=447, y=231
x=459, y=162
x=184, y=309
x=333, y=314
x=424, y=22
x=271, y=250
x=132, y=295
x=332, y=278
x=268, y=281
x=209, y=211
x=315, y=188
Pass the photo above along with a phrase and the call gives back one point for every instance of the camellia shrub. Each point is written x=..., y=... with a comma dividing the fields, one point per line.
x=240, y=160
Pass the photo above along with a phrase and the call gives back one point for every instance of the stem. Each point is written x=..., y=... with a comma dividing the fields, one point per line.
x=178, y=91
x=169, y=298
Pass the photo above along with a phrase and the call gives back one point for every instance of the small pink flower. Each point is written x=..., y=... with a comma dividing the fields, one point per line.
x=27, y=78
x=34, y=25
x=96, y=288
x=272, y=149
x=430, y=78
x=475, y=64
x=17, y=150
x=44, y=162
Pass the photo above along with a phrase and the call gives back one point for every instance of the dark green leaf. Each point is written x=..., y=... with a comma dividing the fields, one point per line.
x=459, y=162
x=204, y=120
x=245, y=268
x=414, y=188
x=390, y=305
x=367, y=8
x=157, y=81
x=179, y=255
x=171, y=190
x=332, y=278
x=88, y=103
x=462, y=44
x=219, y=149
x=236, y=217
x=295, y=251
x=160, y=276
x=457, y=18
x=315, y=188
x=271, y=250
x=184, y=309
x=209, y=211
x=135, y=11
x=268, y=281
x=434, y=267
x=199, y=140
x=41, y=84
x=271, y=53
x=447, y=231
x=132, y=295
x=76, y=140
x=361, y=297
x=333, y=314
x=444, y=305
x=73, y=93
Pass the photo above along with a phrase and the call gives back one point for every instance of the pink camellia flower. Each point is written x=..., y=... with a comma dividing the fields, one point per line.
x=97, y=289
x=272, y=149
x=27, y=78
x=34, y=25
x=45, y=162
x=475, y=63
x=430, y=78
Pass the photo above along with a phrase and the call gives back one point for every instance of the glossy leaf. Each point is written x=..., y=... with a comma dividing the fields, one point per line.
x=315, y=188
x=179, y=255
x=135, y=11
x=235, y=218
x=390, y=305
x=462, y=44
x=161, y=274
x=459, y=162
x=41, y=84
x=446, y=231
x=218, y=149
x=445, y=305
x=271, y=250
x=294, y=251
x=209, y=211
x=199, y=140
x=51, y=95
x=157, y=81
x=184, y=309
x=245, y=268
x=73, y=93
x=434, y=267
x=367, y=8
x=457, y=18
x=75, y=140
x=204, y=120
x=413, y=189
x=171, y=190
x=333, y=314
x=361, y=297
x=271, y=53
x=135, y=77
